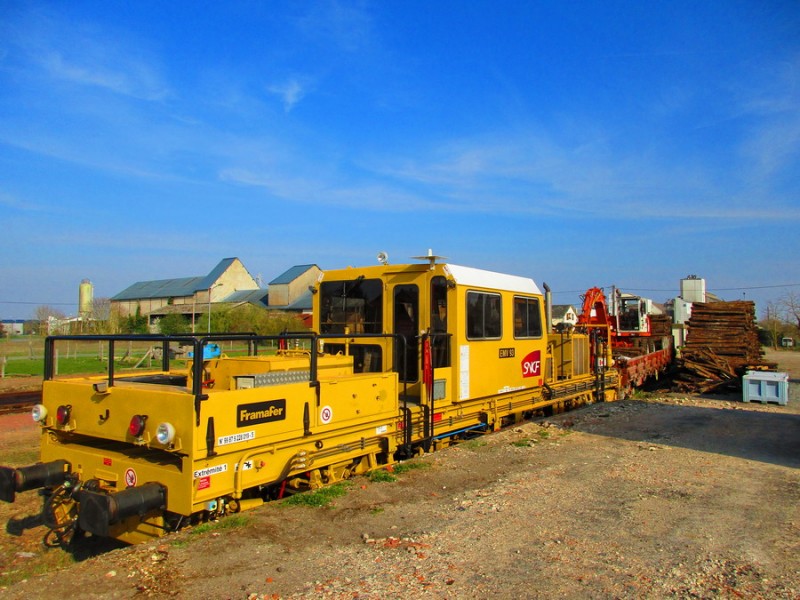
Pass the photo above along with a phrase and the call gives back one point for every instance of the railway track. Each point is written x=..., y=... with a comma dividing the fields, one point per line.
x=20, y=401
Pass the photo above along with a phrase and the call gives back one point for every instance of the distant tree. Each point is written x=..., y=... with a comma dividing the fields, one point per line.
x=101, y=320
x=3, y=331
x=772, y=325
x=173, y=323
x=790, y=303
x=44, y=314
x=101, y=309
x=136, y=323
x=249, y=318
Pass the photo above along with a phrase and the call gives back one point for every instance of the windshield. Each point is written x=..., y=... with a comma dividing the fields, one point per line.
x=356, y=304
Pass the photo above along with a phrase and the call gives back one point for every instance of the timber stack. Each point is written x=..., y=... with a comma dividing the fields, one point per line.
x=721, y=343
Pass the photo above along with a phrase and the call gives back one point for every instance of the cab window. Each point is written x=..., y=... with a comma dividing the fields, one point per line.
x=356, y=304
x=484, y=316
x=527, y=318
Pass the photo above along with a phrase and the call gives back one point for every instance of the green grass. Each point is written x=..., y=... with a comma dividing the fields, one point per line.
x=39, y=565
x=523, y=443
x=230, y=522
x=381, y=476
x=474, y=444
x=20, y=456
x=25, y=356
x=410, y=465
x=320, y=498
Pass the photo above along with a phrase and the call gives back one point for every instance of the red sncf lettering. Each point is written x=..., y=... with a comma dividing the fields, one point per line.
x=532, y=364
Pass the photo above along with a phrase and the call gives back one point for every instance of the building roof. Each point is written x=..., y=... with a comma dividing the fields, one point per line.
x=290, y=275
x=172, y=288
x=303, y=303
x=215, y=274
x=162, y=288
x=258, y=297
x=559, y=310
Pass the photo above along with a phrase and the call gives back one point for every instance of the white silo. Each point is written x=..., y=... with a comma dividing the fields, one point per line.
x=85, y=293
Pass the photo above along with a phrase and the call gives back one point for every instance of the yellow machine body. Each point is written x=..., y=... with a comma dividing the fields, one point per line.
x=403, y=360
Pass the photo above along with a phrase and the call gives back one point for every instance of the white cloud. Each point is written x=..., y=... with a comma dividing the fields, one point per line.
x=290, y=92
x=346, y=25
x=43, y=45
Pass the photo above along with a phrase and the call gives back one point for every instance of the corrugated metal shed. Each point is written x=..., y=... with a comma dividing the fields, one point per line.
x=290, y=275
x=215, y=274
x=257, y=297
x=303, y=303
x=163, y=288
x=173, y=288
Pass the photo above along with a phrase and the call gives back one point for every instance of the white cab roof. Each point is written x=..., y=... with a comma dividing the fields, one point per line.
x=469, y=276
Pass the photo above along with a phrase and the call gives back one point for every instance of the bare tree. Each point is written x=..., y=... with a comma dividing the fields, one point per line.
x=100, y=317
x=44, y=313
x=101, y=309
x=772, y=323
x=790, y=303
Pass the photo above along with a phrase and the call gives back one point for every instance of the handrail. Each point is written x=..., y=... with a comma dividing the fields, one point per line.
x=198, y=342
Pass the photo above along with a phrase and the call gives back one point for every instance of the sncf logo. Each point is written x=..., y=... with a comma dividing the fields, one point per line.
x=532, y=364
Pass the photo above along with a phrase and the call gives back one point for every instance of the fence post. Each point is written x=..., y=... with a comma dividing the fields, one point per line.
x=56, y=362
x=3, y=362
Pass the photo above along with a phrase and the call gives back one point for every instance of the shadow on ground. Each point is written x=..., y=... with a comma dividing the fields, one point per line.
x=770, y=437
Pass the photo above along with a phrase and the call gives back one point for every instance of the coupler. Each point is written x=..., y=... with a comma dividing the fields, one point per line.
x=21, y=479
x=98, y=511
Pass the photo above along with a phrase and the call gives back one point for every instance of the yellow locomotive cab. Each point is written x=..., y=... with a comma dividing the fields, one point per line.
x=402, y=359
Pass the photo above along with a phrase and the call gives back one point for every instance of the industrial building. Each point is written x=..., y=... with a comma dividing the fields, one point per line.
x=228, y=283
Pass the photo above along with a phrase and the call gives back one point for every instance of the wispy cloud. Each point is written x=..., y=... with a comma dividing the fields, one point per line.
x=348, y=26
x=94, y=67
x=290, y=92
x=14, y=202
x=773, y=108
x=39, y=44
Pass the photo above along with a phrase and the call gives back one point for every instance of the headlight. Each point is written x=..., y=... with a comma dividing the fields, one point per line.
x=165, y=433
x=39, y=412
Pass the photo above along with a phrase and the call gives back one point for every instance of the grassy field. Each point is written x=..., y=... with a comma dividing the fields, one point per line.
x=24, y=356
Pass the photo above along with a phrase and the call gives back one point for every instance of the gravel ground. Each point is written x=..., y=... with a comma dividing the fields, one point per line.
x=668, y=496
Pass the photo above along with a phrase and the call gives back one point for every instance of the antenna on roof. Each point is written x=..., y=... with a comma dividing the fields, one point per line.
x=430, y=257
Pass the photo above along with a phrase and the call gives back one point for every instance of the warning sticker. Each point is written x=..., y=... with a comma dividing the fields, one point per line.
x=130, y=478
x=326, y=414
x=210, y=471
x=235, y=438
x=204, y=483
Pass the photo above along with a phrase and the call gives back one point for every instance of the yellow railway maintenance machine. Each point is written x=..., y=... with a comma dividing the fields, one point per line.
x=403, y=359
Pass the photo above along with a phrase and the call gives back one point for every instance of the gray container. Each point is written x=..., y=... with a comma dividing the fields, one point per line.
x=765, y=386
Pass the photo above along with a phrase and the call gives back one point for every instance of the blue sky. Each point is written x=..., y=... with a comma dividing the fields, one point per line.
x=578, y=143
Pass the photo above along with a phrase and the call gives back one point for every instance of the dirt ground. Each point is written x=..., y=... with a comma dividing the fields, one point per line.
x=653, y=497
